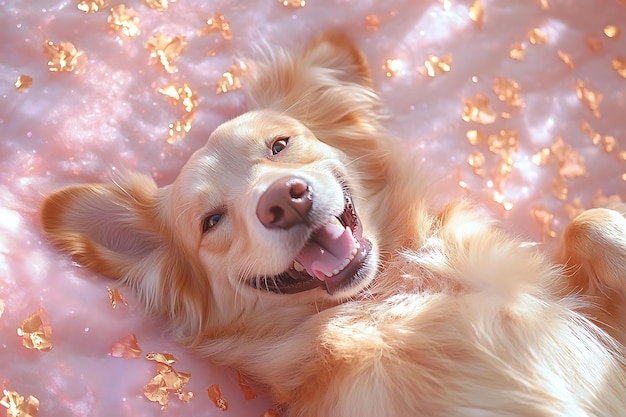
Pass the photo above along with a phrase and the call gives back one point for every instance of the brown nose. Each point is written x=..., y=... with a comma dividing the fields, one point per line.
x=285, y=203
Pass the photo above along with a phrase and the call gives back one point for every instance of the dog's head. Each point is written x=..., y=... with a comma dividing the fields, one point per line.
x=278, y=208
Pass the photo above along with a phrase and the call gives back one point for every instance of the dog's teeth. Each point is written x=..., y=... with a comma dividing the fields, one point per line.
x=297, y=266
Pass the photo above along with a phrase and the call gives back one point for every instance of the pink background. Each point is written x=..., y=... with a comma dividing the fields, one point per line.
x=69, y=129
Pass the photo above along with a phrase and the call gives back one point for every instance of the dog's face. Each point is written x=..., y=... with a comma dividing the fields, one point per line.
x=271, y=209
x=275, y=211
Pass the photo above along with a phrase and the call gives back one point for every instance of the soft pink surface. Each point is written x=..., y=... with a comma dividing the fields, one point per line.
x=72, y=129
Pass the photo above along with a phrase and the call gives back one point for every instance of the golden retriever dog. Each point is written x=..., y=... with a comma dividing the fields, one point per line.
x=301, y=246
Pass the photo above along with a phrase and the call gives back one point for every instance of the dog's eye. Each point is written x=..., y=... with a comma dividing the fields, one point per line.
x=279, y=144
x=210, y=221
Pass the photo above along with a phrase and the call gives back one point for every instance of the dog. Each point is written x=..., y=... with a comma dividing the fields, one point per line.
x=300, y=246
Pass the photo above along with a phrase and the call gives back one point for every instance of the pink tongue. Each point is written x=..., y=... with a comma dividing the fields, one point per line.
x=327, y=250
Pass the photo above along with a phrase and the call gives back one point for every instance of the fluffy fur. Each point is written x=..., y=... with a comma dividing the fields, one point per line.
x=449, y=315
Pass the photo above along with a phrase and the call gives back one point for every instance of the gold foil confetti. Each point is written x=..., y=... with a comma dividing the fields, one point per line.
x=126, y=348
x=477, y=14
x=609, y=143
x=160, y=5
x=567, y=59
x=600, y=200
x=372, y=22
x=446, y=4
x=230, y=80
x=391, y=67
x=123, y=20
x=476, y=160
x=271, y=413
x=574, y=208
x=246, y=389
x=543, y=157
x=64, y=57
x=215, y=395
x=498, y=197
x=217, y=24
x=559, y=188
x=23, y=83
x=164, y=49
x=296, y=4
x=544, y=5
x=619, y=65
x=461, y=180
x=612, y=31
x=571, y=163
x=545, y=219
x=92, y=6
x=476, y=136
x=181, y=96
x=504, y=143
x=36, y=332
x=508, y=91
x=435, y=65
x=18, y=406
x=166, y=381
x=593, y=43
x=477, y=109
x=517, y=51
x=537, y=37
x=589, y=97
x=115, y=296
x=587, y=129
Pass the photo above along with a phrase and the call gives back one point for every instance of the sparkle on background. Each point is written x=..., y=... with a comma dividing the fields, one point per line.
x=391, y=67
x=435, y=65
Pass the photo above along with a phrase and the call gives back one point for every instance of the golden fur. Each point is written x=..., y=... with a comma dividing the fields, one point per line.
x=451, y=316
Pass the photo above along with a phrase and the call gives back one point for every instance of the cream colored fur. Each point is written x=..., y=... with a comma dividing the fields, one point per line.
x=457, y=318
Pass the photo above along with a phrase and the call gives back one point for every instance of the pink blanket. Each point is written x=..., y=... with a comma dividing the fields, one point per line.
x=518, y=104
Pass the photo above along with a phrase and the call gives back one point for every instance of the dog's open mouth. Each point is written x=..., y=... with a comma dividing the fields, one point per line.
x=333, y=258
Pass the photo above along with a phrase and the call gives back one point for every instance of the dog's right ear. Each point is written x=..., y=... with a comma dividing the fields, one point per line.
x=110, y=228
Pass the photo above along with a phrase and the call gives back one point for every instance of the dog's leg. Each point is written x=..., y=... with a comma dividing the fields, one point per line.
x=594, y=250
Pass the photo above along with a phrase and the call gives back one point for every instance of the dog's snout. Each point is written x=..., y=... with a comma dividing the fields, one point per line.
x=285, y=203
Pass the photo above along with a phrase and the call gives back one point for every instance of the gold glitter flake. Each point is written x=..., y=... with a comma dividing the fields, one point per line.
x=230, y=80
x=18, y=406
x=498, y=197
x=92, y=6
x=545, y=219
x=477, y=109
x=612, y=31
x=123, y=20
x=508, y=91
x=185, y=97
x=609, y=143
x=160, y=5
x=567, y=59
x=164, y=49
x=217, y=24
x=571, y=163
x=543, y=157
x=559, y=188
x=517, y=51
x=574, y=208
x=372, y=22
x=589, y=97
x=126, y=348
x=544, y=5
x=477, y=14
x=64, y=57
x=504, y=143
x=537, y=37
x=593, y=43
x=619, y=65
x=166, y=381
x=215, y=395
x=476, y=136
x=476, y=160
x=446, y=4
x=435, y=65
x=115, y=296
x=296, y=4
x=23, y=83
x=246, y=389
x=391, y=67
x=36, y=332
x=2, y=306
